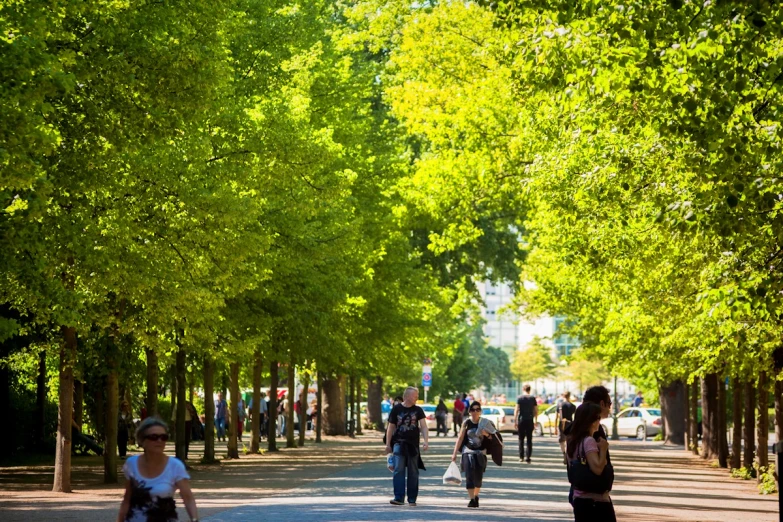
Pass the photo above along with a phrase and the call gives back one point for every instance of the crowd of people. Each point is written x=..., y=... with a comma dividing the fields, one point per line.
x=153, y=477
x=582, y=438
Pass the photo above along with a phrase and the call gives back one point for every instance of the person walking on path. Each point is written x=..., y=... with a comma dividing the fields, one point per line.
x=594, y=505
x=638, y=400
x=124, y=423
x=188, y=424
x=563, y=419
x=152, y=479
x=441, y=412
x=525, y=414
x=471, y=443
x=241, y=416
x=406, y=424
x=221, y=416
x=457, y=414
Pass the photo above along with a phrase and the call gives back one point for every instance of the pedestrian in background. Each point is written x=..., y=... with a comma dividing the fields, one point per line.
x=638, y=400
x=241, y=416
x=457, y=414
x=525, y=414
x=407, y=422
x=221, y=415
x=563, y=419
x=582, y=446
x=441, y=412
x=152, y=479
x=124, y=424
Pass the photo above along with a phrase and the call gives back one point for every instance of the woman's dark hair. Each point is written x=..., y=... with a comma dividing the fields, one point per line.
x=586, y=414
x=474, y=403
x=596, y=394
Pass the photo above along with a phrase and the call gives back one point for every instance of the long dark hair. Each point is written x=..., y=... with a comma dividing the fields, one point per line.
x=586, y=414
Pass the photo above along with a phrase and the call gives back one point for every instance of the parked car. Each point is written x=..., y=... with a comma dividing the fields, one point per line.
x=545, y=423
x=636, y=422
x=432, y=424
x=498, y=417
x=508, y=422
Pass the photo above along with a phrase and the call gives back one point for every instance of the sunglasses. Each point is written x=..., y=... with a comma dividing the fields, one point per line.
x=475, y=409
x=157, y=436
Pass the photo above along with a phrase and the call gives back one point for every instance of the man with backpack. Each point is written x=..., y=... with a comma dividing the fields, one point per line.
x=525, y=414
x=563, y=419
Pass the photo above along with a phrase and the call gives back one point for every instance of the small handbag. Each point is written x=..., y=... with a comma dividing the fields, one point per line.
x=582, y=477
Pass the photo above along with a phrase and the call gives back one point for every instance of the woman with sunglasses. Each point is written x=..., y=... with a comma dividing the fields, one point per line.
x=152, y=479
x=471, y=444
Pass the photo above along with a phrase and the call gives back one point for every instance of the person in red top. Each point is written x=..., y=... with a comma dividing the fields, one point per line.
x=459, y=411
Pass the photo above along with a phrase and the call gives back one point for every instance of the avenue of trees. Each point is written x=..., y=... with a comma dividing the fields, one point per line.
x=639, y=143
x=212, y=194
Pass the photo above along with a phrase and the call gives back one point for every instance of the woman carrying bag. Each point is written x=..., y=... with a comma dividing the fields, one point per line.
x=587, y=466
x=475, y=438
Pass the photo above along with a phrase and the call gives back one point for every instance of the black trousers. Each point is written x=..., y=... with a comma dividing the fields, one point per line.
x=474, y=465
x=525, y=432
x=122, y=441
x=441, y=425
x=457, y=418
x=588, y=510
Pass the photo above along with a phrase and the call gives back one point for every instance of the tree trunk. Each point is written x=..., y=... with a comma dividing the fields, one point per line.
x=374, y=399
x=233, y=411
x=40, y=400
x=334, y=406
x=674, y=404
x=694, y=416
x=358, y=388
x=687, y=419
x=319, y=409
x=78, y=402
x=290, y=442
x=182, y=389
x=352, y=403
x=112, y=416
x=272, y=425
x=62, y=459
x=736, y=437
x=750, y=436
x=723, y=443
x=778, y=414
x=255, y=414
x=209, y=410
x=151, y=401
x=303, y=408
x=709, y=425
x=762, y=435
x=174, y=401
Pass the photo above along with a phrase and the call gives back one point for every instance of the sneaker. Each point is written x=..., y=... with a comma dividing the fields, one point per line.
x=396, y=502
x=528, y=461
x=521, y=459
x=412, y=504
x=477, y=501
x=472, y=503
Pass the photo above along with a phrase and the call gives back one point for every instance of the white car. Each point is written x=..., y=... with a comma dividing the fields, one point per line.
x=502, y=420
x=636, y=422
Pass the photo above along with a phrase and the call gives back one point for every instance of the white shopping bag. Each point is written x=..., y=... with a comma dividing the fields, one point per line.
x=452, y=477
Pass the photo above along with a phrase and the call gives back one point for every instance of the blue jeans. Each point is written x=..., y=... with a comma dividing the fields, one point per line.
x=221, y=428
x=401, y=464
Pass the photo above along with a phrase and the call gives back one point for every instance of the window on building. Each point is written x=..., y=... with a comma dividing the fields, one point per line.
x=564, y=343
x=491, y=289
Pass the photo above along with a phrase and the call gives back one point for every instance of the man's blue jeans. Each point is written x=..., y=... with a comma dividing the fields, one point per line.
x=401, y=464
x=220, y=424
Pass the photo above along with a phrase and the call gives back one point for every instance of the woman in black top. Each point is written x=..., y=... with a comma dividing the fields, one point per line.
x=474, y=459
x=441, y=412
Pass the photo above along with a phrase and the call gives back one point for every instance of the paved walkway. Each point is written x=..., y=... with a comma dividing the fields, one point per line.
x=653, y=483
x=346, y=480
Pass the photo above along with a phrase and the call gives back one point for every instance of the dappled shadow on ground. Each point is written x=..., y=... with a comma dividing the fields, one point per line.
x=347, y=481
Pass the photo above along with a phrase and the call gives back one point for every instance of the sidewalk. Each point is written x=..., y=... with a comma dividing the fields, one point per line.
x=346, y=480
x=25, y=493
